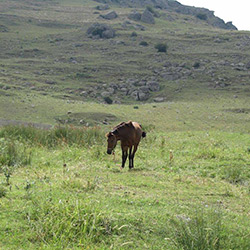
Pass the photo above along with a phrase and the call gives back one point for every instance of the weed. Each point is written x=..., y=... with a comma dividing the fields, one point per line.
x=3, y=191
x=203, y=231
x=71, y=222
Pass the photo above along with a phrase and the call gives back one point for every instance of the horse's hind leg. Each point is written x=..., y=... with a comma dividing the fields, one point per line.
x=131, y=156
x=124, y=156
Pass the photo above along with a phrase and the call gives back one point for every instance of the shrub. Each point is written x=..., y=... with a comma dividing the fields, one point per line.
x=143, y=43
x=108, y=100
x=161, y=47
x=133, y=34
x=196, y=65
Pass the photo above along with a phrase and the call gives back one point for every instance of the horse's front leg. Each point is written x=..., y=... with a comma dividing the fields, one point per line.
x=124, y=156
x=130, y=157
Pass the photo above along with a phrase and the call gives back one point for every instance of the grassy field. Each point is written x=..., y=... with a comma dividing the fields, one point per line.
x=59, y=190
x=58, y=187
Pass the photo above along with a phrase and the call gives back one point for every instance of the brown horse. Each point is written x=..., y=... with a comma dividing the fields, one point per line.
x=129, y=133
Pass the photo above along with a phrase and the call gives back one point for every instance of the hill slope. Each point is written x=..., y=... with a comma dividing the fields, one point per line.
x=46, y=52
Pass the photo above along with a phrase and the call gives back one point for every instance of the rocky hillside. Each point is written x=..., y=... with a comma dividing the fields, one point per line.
x=174, y=6
x=120, y=51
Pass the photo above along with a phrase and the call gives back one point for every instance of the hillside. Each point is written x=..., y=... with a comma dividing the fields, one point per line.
x=47, y=56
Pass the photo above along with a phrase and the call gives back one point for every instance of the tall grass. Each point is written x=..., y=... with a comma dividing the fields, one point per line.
x=73, y=222
x=202, y=231
x=13, y=153
x=56, y=136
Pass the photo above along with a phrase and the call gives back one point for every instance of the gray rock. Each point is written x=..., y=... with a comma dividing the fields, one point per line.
x=111, y=90
x=105, y=94
x=108, y=34
x=136, y=16
x=147, y=17
x=102, y=7
x=138, y=95
x=153, y=86
x=141, y=96
x=110, y=16
x=248, y=65
x=144, y=89
x=159, y=99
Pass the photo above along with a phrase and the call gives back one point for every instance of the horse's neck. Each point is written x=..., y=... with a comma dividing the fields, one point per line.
x=120, y=135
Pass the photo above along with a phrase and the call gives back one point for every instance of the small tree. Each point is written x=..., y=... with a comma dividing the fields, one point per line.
x=161, y=47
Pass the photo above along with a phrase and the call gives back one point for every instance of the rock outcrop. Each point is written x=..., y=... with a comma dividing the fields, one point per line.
x=174, y=6
x=98, y=30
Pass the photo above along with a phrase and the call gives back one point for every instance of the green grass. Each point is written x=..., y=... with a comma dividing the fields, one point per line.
x=75, y=196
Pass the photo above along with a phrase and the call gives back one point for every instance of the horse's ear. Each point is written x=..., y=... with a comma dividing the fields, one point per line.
x=109, y=134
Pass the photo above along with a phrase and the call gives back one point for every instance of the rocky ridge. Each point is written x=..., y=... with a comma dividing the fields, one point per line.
x=174, y=6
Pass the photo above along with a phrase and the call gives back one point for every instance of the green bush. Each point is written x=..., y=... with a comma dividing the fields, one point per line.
x=133, y=34
x=143, y=43
x=108, y=100
x=196, y=65
x=161, y=47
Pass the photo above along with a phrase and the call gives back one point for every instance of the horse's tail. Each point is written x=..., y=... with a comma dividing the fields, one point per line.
x=143, y=134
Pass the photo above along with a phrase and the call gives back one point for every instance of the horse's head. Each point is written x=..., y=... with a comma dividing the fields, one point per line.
x=112, y=141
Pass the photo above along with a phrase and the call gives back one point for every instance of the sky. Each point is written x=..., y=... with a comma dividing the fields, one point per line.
x=236, y=11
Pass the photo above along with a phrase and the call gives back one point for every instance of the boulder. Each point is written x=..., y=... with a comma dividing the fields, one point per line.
x=98, y=30
x=159, y=99
x=110, y=16
x=147, y=17
x=102, y=7
x=110, y=33
x=153, y=86
x=136, y=16
x=105, y=94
